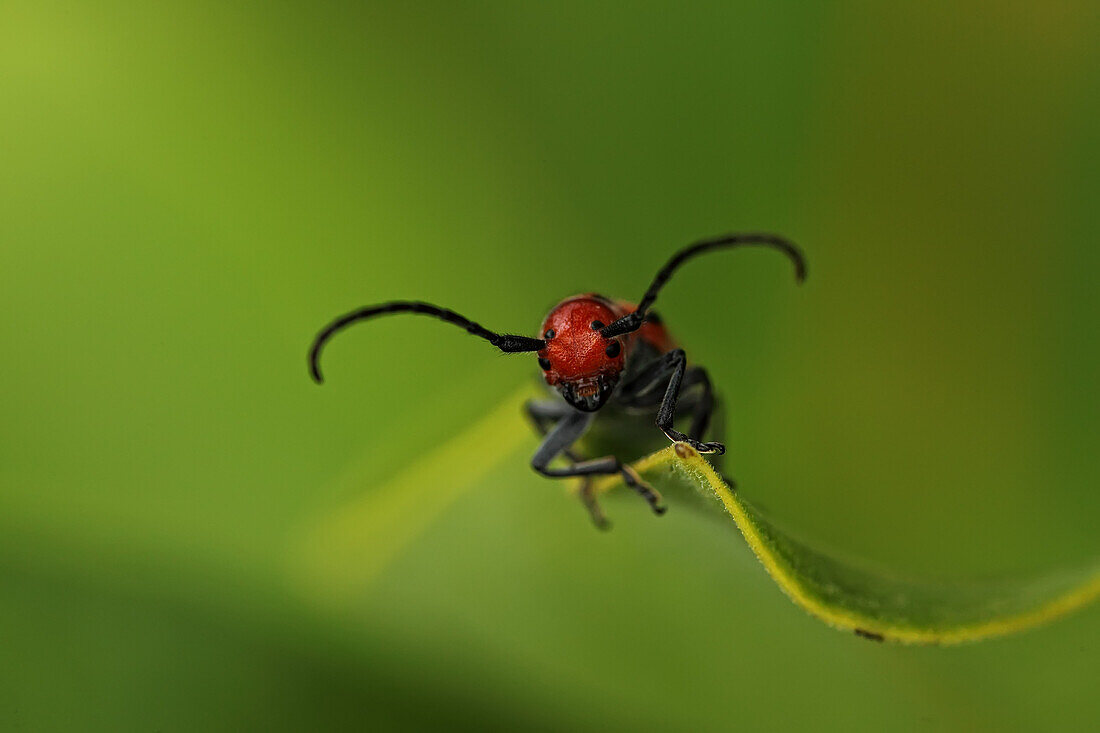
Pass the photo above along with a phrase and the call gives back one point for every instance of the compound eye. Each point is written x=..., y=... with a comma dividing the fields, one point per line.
x=545, y=364
x=597, y=325
x=613, y=349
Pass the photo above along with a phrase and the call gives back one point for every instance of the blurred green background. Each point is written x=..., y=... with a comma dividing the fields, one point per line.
x=188, y=191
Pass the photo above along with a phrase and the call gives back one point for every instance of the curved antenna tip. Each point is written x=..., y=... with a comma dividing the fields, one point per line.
x=315, y=370
x=799, y=263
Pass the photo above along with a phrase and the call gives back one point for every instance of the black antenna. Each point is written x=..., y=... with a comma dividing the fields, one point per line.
x=505, y=342
x=633, y=321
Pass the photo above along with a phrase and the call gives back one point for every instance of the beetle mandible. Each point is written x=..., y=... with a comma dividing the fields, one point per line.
x=603, y=357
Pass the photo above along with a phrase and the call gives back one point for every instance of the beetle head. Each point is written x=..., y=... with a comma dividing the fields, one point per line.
x=582, y=364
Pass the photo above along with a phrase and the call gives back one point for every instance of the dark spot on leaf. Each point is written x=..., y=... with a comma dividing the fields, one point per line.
x=873, y=636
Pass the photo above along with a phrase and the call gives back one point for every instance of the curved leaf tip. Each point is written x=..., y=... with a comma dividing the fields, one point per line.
x=869, y=603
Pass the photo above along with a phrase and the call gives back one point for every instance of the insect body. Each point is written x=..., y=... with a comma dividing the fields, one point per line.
x=605, y=358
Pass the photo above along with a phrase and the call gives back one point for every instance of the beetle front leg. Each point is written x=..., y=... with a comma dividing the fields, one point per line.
x=563, y=435
x=672, y=366
x=666, y=415
x=543, y=414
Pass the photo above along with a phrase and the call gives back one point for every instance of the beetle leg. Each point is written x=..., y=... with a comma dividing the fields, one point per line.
x=588, y=498
x=673, y=366
x=563, y=435
x=543, y=414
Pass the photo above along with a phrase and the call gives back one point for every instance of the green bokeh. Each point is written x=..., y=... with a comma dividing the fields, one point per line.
x=188, y=192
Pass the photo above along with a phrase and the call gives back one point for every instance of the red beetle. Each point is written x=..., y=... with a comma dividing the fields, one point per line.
x=602, y=356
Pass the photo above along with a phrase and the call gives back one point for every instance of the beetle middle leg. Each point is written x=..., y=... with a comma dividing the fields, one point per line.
x=558, y=441
x=587, y=493
x=673, y=367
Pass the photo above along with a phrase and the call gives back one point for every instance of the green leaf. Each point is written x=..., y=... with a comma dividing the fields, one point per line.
x=342, y=552
x=852, y=596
